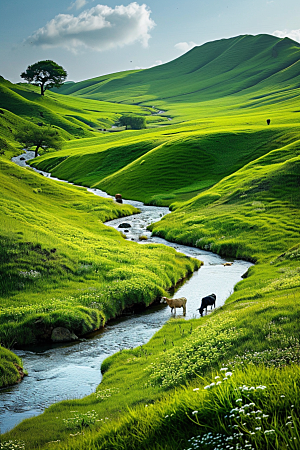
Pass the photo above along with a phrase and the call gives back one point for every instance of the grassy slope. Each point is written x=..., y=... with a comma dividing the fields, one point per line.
x=252, y=211
x=212, y=71
x=53, y=242
x=224, y=91
x=75, y=118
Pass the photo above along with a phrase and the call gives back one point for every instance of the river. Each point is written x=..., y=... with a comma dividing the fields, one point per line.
x=68, y=371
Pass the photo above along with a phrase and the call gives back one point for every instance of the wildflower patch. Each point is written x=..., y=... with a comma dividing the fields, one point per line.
x=206, y=345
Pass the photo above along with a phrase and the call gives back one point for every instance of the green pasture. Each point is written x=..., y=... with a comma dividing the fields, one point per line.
x=9, y=364
x=213, y=116
x=60, y=266
x=74, y=118
x=233, y=374
x=262, y=68
x=232, y=183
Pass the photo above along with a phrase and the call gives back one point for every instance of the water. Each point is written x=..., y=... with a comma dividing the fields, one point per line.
x=69, y=371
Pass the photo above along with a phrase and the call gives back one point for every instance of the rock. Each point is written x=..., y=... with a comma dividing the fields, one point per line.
x=22, y=158
x=61, y=334
x=124, y=225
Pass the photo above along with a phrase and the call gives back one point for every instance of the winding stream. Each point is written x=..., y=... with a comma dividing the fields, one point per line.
x=68, y=371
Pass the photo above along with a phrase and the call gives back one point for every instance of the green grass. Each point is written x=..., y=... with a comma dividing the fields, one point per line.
x=61, y=266
x=149, y=396
x=9, y=365
x=232, y=183
x=211, y=71
x=250, y=214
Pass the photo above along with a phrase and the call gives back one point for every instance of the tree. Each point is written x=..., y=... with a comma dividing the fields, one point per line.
x=136, y=122
x=46, y=74
x=44, y=137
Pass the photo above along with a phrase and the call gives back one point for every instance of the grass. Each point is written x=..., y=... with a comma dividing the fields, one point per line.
x=140, y=404
x=10, y=367
x=87, y=273
x=232, y=183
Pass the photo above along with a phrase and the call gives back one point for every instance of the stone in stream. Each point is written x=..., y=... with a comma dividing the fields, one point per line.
x=124, y=225
x=61, y=334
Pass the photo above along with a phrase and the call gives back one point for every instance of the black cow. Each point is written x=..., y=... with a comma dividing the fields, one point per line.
x=206, y=301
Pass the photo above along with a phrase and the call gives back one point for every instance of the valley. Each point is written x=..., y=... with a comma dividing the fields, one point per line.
x=231, y=180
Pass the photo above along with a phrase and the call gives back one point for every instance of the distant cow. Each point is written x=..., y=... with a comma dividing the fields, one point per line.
x=118, y=198
x=175, y=303
x=206, y=301
x=268, y=121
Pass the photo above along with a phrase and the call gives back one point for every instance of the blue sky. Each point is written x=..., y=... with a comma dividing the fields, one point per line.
x=91, y=38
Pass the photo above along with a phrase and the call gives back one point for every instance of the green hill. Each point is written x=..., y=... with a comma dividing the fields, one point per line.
x=243, y=64
x=218, y=96
x=22, y=104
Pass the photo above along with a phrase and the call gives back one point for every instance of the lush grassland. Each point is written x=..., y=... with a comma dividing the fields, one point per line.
x=164, y=393
x=219, y=98
x=262, y=68
x=233, y=185
x=22, y=104
x=60, y=266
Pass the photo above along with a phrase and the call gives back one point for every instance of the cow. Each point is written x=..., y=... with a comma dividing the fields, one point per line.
x=206, y=301
x=118, y=198
x=175, y=303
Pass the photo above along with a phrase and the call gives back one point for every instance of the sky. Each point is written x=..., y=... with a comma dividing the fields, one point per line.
x=90, y=38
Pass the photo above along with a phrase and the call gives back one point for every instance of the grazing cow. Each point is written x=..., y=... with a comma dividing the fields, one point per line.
x=118, y=198
x=209, y=300
x=268, y=121
x=175, y=303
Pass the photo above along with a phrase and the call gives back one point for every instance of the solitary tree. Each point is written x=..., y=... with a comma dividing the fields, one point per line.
x=135, y=122
x=39, y=137
x=46, y=74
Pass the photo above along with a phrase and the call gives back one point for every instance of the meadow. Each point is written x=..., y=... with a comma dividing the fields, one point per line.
x=229, y=379
x=60, y=266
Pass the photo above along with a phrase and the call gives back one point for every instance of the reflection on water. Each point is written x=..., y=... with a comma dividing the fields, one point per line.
x=58, y=372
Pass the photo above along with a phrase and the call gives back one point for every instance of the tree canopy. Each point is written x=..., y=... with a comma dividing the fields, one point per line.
x=135, y=122
x=40, y=137
x=46, y=74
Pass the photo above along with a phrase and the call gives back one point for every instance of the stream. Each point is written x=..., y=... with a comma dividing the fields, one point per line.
x=70, y=371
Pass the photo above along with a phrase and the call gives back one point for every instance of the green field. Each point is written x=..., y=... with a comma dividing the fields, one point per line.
x=232, y=183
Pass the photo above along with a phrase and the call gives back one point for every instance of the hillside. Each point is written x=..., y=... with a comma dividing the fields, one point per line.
x=229, y=379
x=22, y=104
x=243, y=64
x=217, y=98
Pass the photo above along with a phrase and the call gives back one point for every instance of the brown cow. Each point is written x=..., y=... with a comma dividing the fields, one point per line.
x=175, y=303
x=118, y=198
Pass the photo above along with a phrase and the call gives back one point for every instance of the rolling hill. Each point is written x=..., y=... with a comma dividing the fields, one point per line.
x=217, y=98
x=239, y=65
x=232, y=182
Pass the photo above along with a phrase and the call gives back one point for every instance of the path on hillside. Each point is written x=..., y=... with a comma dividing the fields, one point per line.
x=66, y=371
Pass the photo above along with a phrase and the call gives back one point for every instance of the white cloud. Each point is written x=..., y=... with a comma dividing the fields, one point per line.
x=78, y=4
x=185, y=46
x=293, y=34
x=99, y=28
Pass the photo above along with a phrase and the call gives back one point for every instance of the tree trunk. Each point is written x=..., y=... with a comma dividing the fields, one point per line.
x=36, y=151
x=42, y=89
